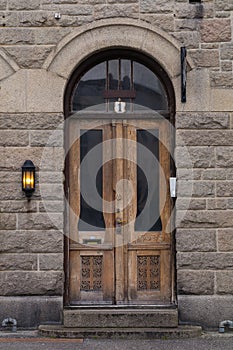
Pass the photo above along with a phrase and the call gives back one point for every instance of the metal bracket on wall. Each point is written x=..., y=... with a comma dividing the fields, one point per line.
x=183, y=54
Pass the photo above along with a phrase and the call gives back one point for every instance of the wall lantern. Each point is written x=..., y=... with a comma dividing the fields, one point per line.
x=28, y=178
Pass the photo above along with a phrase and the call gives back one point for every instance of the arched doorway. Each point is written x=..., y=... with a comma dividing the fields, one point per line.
x=119, y=106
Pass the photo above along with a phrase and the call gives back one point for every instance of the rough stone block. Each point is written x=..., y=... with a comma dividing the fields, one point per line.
x=222, y=5
x=189, y=39
x=14, y=138
x=59, y=2
x=164, y=21
x=216, y=30
x=51, y=262
x=3, y=4
x=225, y=240
x=205, y=58
x=186, y=24
x=190, y=203
x=16, y=36
x=51, y=206
x=46, y=138
x=226, y=66
x=29, y=56
x=224, y=157
x=195, y=157
x=12, y=158
x=118, y=1
x=7, y=221
x=151, y=6
x=12, y=191
x=23, y=4
x=199, y=11
x=224, y=189
x=40, y=221
x=202, y=120
x=51, y=192
x=214, y=174
x=36, y=121
x=188, y=240
x=224, y=281
x=213, y=204
x=226, y=51
x=30, y=311
x=30, y=19
x=69, y=9
x=18, y=206
x=33, y=241
x=198, y=189
x=49, y=36
x=189, y=174
x=207, y=311
x=18, y=262
x=51, y=177
x=223, y=14
x=119, y=10
x=223, y=80
x=195, y=282
x=229, y=173
x=47, y=159
x=205, y=261
x=205, y=219
x=31, y=283
x=52, y=159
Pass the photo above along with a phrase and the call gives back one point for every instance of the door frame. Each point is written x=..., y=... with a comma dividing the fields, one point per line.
x=81, y=69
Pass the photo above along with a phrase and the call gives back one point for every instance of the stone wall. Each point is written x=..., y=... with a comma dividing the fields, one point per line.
x=31, y=109
x=205, y=234
x=31, y=259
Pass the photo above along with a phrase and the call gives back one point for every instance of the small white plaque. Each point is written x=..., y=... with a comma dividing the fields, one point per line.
x=120, y=107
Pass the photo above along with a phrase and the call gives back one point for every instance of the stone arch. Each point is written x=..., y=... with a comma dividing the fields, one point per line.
x=115, y=33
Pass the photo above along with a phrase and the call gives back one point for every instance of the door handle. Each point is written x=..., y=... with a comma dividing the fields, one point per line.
x=118, y=224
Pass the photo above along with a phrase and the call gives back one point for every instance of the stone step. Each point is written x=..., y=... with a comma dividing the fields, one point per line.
x=120, y=318
x=56, y=331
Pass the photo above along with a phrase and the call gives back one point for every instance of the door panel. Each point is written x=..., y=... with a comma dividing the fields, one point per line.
x=120, y=242
x=91, y=248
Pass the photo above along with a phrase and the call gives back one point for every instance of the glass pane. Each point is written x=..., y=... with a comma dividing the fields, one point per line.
x=125, y=75
x=89, y=91
x=148, y=209
x=113, y=74
x=91, y=181
x=150, y=93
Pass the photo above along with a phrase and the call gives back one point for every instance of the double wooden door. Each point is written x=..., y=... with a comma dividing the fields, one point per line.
x=119, y=210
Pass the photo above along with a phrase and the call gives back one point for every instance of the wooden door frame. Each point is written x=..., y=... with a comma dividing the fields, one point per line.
x=154, y=66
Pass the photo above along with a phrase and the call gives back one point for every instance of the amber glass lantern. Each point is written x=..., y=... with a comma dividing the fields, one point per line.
x=28, y=178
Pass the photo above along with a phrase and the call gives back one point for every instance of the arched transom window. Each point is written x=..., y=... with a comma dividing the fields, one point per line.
x=119, y=79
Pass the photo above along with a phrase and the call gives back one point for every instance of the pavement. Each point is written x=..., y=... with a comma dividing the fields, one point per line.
x=30, y=340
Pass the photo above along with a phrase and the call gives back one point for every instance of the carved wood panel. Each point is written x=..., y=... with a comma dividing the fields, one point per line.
x=91, y=273
x=148, y=272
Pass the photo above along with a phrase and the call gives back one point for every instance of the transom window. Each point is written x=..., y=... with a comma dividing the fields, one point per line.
x=119, y=79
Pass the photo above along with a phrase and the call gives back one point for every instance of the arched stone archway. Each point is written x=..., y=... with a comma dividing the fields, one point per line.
x=112, y=33
x=114, y=260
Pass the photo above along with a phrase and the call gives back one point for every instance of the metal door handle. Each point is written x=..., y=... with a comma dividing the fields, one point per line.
x=118, y=225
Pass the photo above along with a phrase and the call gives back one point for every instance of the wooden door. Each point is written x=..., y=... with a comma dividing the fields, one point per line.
x=119, y=211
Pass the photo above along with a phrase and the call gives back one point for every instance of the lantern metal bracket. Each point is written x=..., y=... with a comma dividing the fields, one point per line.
x=183, y=61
